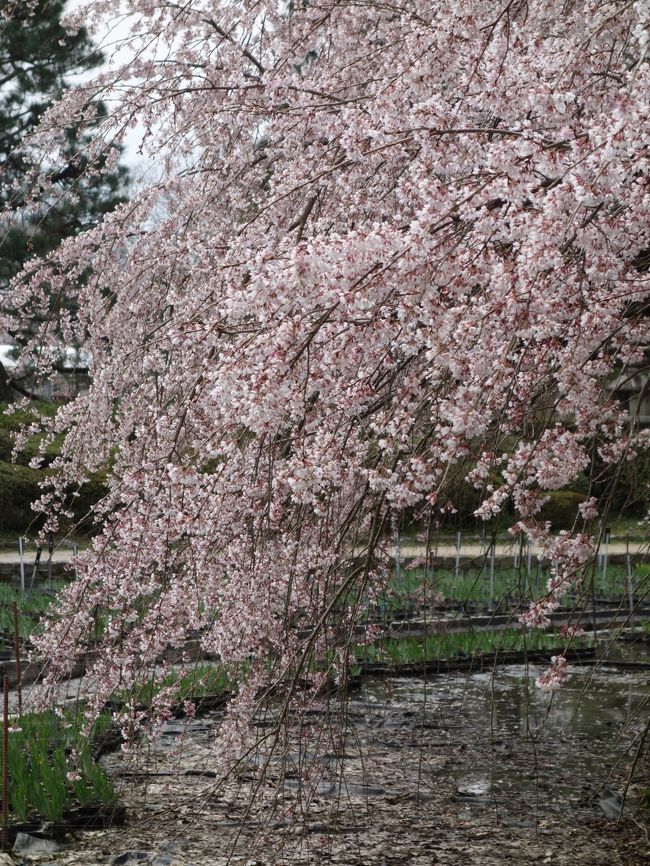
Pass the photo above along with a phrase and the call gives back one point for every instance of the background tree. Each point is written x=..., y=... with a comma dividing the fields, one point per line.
x=37, y=58
x=394, y=244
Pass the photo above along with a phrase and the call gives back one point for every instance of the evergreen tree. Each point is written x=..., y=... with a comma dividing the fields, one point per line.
x=37, y=58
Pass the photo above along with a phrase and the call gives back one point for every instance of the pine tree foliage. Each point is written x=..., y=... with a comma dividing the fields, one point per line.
x=38, y=59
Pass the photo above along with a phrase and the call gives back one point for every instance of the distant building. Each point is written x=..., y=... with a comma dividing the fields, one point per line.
x=632, y=391
x=70, y=376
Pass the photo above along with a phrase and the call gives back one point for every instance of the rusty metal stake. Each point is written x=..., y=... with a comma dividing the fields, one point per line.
x=5, y=764
x=19, y=685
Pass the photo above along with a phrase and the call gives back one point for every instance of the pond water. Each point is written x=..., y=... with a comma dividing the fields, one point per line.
x=479, y=769
x=513, y=742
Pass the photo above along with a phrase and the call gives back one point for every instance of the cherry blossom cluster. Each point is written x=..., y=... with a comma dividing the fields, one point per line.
x=556, y=674
x=382, y=244
x=568, y=554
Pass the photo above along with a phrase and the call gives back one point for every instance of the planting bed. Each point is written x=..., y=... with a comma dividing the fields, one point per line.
x=52, y=766
x=484, y=586
x=72, y=820
x=479, y=662
x=56, y=783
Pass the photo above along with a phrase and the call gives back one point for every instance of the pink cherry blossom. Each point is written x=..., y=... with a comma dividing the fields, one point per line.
x=556, y=674
x=382, y=248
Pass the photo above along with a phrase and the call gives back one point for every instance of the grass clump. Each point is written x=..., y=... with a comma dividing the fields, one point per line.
x=398, y=651
x=202, y=680
x=51, y=767
x=510, y=587
x=31, y=608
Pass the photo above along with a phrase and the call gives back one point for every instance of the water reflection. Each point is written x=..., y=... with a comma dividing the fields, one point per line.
x=551, y=749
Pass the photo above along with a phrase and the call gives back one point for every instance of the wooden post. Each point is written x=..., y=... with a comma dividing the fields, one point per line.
x=50, y=551
x=599, y=558
x=604, y=560
x=398, y=558
x=593, y=603
x=516, y=555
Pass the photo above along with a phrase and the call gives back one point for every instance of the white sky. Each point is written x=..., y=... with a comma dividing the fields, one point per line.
x=105, y=41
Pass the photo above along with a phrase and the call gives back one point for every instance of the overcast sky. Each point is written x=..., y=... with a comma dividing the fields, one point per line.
x=106, y=40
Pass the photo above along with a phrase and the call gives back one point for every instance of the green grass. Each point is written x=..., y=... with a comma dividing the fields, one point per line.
x=399, y=651
x=510, y=586
x=31, y=608
x=206, y=679
x=416, y=589
x=51, y=768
